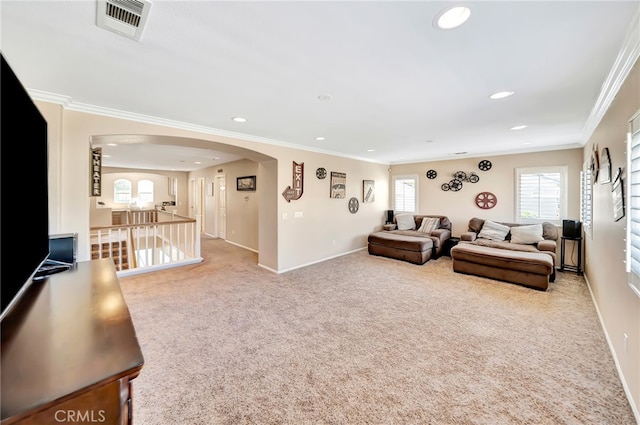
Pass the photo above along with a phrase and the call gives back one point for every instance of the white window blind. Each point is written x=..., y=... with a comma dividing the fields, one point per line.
x=405, y=193
x=633, y=217
x=541, y=194
x=145, y=191
x=585, y=199
x=122, y=191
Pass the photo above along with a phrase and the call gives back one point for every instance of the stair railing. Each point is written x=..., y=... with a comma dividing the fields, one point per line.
x=151, y=241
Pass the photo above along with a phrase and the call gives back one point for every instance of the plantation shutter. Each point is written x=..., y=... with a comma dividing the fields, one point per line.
x=540, y=195
x=585, y=199
x=633, y=222
x=405, y=194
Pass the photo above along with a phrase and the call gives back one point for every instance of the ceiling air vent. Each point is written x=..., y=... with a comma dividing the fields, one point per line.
x=125, y=17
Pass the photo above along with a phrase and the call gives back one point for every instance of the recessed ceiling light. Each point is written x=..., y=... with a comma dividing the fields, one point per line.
x=371, y=150
x=319, y=138
x=239, y=119
x=526, y=143
x=452, y=17
x=197, y=162
x=106, y=156
x=518, y=127
x=501, y=94
x=324, y=97
x=112, y=144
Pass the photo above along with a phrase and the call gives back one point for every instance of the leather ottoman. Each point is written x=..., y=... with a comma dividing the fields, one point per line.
x=416, y=250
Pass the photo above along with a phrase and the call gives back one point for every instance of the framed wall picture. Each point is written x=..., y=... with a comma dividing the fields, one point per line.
x=338, y=185
x=246, y=183
x=605, y=166
x=368, y=190
x=617, y=194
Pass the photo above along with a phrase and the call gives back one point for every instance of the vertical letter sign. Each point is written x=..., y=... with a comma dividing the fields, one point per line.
x=96, y=172
x=295, y=192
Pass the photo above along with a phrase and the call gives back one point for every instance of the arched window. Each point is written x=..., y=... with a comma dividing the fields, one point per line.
x=145, y=191
x=122, y=191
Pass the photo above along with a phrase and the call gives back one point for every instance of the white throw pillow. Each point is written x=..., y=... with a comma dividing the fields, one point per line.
x=405, y=222
x=527, y=234
x=429, y=224
x=494, y=231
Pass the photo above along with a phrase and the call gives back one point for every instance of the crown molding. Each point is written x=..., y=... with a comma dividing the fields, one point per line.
x=68, y=103
x=627, y=57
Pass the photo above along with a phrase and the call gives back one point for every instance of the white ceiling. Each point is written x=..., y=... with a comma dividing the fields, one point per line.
x=398, y=86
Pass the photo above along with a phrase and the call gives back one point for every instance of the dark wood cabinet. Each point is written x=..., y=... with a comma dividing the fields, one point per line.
x=70, y=351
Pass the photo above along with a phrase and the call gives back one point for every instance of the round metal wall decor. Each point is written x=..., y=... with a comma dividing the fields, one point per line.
x=321, y=173
x=486, y=200
x=354, y=204
x=432, y=174
x=460, y=175
x=484, y=165
x=473, y=177
x=454, y=185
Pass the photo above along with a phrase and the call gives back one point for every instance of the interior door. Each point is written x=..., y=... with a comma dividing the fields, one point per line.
x=221, y=206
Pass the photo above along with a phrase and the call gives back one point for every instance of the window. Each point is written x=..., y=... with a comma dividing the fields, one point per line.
x=585, y=199
x=633, y=205
x=405, y=193
x=145, y=191
x=541, y=194
x=122, y=191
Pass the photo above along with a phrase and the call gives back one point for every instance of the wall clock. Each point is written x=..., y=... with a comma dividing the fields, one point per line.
x=354, y=204
x=486, y=200
x=432, y=174
x=321, y=173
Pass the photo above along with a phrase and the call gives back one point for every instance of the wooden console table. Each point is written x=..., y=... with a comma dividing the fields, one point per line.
x=69, y=351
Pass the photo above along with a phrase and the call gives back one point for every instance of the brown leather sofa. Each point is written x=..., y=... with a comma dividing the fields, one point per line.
x=412, y=245
x=527, y=264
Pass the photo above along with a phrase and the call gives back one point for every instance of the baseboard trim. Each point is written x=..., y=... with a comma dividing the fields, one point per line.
x=313, y=262
x=627, y=392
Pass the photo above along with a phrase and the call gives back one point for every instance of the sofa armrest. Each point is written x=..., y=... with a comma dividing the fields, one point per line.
x=547, y=245
x=468, y=236
x=390, y=226
x=441, y=234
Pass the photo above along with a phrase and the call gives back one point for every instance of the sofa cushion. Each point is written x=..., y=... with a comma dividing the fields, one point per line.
x=405, y=222
x=526, y=235
x=494, y=231
x=429, y=224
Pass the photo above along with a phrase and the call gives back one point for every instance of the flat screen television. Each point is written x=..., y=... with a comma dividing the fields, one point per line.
x=24, y=230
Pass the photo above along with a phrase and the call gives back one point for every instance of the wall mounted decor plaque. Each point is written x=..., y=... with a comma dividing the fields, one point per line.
x=96, y=172
x=295, y=192
x=368, y=190
x=338, y=185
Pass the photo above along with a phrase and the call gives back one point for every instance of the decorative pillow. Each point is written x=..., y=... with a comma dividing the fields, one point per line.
x=494, y=231
x=529, y=234
x=429, y=224
x=405, y=222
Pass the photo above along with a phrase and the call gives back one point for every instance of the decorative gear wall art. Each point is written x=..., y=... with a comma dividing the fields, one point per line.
x=484, y=165
x=321, y=173
x=486, y=200
x=460, y=177
x=432, y=174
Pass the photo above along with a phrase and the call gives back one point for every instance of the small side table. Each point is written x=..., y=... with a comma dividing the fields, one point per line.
x=448, y=244
x=577, y=268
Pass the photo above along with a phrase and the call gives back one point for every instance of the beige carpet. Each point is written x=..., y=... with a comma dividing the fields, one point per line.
x=366, y=340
